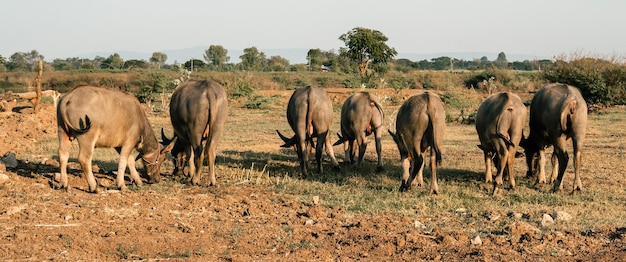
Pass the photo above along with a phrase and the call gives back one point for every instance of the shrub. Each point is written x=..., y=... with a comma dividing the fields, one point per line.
x=600, y=81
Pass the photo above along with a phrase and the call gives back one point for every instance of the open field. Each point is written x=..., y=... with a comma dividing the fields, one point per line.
x=261, y=210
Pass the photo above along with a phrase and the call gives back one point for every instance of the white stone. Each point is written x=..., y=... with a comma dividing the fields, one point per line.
x=562, y=216
x=476, y=241
x=547, y=220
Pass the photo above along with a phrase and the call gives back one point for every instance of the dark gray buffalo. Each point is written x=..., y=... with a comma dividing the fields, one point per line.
x=198, y=112
x=558, y=112
x=361, y=115
x=500, y=121
x=420, y=125
x=310, y=114
x=100, y=117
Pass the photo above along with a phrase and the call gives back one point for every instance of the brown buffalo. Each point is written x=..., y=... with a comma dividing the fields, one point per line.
x=310, y=114
x=100, y=117
x=361, y=115
x=500, y=122
x=198, y=112
x=420, y=125
x=558, y=112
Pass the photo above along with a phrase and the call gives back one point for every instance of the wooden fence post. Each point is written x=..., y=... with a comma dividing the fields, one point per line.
x=38, y=80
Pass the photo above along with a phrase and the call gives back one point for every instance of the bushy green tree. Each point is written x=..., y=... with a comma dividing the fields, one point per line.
x=252, y=59
x=216, y=57
x=366, y=46
x=158, y=59
x=277, y=64
x=114, y=61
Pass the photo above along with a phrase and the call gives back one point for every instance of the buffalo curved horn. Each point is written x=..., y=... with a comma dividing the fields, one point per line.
x=340, y=141
x=288, y=141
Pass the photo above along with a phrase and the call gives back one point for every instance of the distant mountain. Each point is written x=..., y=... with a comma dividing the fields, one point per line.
x=295, y=55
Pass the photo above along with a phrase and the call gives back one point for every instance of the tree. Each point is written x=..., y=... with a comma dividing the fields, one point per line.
x=216, y=56
x=135, y=64
x=194, y=64
x=277, y=64
x=114, y=61
x=18, y=62
x=314, y=56
x=158, y=59
x=501, y=61
x=366, y=46
x=252, y=59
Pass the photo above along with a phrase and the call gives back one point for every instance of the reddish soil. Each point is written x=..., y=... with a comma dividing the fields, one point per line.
x=230, y=223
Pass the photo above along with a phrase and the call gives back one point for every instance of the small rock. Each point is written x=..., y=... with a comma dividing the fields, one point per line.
x=547, y=220
x=3, y=178
x=309, y=222
x=316, y=200
x=562, y=216
x=419, y=225
x=461, y=210
x=9, y=159
x=476, y=241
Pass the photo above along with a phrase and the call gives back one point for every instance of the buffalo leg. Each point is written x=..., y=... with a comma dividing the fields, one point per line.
x=330, y=152
x=362, y=142
x=406, y=172
x=488, y=163
x=563, y=159
x=121, y=167
x=321, y=138
x=64, y=154
x=541, y=172
x=85, y=154
x=577, y=158
x=434, y=187
x=133, y=171
x=555, y=167
x=198, y=158
x=379, y=148
x=210, y=152
x=509, y=166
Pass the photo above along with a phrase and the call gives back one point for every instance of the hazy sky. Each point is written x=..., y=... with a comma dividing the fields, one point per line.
x=541, y=28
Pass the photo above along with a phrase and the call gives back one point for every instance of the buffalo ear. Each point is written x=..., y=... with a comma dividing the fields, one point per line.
x=169, y=146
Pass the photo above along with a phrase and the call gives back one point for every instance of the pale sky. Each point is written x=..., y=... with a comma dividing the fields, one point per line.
x=541, y=28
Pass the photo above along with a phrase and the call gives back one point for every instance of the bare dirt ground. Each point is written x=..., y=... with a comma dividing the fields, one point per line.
x=171, y=221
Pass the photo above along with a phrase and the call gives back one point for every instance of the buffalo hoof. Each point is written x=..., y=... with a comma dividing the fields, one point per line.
x=380, y=169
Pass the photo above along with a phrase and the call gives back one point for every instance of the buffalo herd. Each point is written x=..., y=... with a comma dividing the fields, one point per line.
x=101, y=117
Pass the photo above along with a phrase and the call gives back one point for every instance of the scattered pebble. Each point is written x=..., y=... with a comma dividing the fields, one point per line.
x=476, y=241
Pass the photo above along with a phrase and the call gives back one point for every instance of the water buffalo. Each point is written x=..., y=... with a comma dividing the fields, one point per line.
x=420, y=125
x=310, y=114
x=198, y=112
x=100, y=117
x=361, y=115
x=500, y=122
x=558, y=112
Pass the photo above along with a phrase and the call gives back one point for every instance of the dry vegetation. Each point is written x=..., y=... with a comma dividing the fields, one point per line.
x=261, y=209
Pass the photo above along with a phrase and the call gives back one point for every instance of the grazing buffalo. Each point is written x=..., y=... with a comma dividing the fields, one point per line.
x=500, y=122
x=100, y=117
x=558, y=112
x=420, y=125
x=361, y=115
x=310, y=114
x=198, y=111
